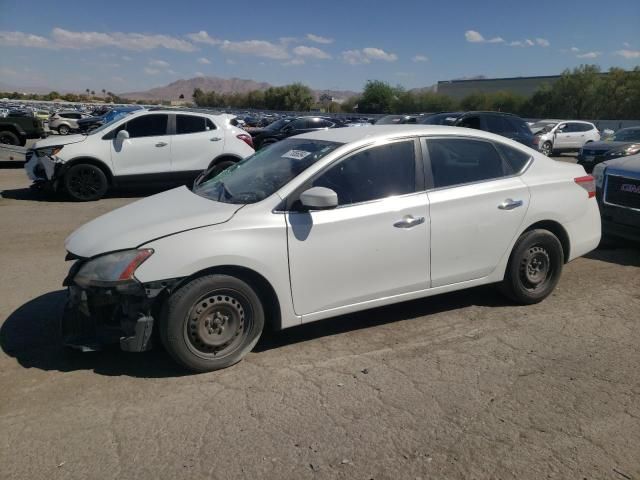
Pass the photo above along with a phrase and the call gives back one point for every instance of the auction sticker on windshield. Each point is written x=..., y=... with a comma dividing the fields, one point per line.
x=296, y=154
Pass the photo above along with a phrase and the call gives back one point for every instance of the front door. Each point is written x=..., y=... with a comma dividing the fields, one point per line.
x=375, y=244
x=146, y=152
x=477, y=206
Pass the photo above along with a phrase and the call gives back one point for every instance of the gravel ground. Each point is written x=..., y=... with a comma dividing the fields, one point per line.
x=463, y=385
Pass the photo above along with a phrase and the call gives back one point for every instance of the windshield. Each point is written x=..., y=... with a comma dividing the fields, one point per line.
x=440, y=119
x=278, y=124
x=543, y=127
x=627, y=135
x=115, y=118
x=263, y=173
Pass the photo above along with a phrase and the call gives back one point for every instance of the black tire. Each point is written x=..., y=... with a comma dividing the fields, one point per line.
x=534, y=267
x=64, y=130
x=9, y=138
x=221, y=166
x=547, y=149
x=212, y=322
x=85, y=182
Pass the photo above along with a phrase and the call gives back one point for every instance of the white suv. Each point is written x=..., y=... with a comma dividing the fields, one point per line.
x=566, y=136
x=143, y=147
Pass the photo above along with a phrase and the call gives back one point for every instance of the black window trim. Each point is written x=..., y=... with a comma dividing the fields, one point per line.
x=287, y=205
x=429, y=172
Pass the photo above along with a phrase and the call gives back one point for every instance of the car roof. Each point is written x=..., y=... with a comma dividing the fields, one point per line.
x=381, y=132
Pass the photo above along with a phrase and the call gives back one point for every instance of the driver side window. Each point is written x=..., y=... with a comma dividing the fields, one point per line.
x=154, y=125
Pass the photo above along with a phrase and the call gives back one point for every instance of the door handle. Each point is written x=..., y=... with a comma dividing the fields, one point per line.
x=409, y=221
x=509, y=204
x=216, y=139
x=161, y=144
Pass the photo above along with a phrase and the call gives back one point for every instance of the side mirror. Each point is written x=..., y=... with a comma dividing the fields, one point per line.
x=122, y=135
x=319, y=198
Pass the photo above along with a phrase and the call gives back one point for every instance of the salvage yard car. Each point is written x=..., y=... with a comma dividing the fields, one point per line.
x=624, y=142
x=144, y=147
x=618, y=193
x=566, y=136
x=323, y=224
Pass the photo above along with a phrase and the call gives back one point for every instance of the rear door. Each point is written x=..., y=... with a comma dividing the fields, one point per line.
x=477, y=205
x=147, y=150
x=196, y=142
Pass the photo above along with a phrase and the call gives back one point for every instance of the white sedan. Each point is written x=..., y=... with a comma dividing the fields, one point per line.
x=324, y=224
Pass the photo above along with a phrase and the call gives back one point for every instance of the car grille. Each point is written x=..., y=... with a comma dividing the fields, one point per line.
x=622, y=191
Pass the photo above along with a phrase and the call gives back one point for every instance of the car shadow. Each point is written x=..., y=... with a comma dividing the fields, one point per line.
x=35, y=195
x=621, y=252
x=9, y=164
x=31, y=334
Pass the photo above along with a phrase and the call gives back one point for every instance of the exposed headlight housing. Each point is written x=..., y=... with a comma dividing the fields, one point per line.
x=49, y=151
x=623, y=152
x=598, y=174
x=112, y=269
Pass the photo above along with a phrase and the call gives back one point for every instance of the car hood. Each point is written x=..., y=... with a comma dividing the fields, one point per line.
x=53, y=140
x=604, y=146
x=160, y=215
x=624, y=164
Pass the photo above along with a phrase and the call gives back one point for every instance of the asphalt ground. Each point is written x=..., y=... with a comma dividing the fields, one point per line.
x=463, y=385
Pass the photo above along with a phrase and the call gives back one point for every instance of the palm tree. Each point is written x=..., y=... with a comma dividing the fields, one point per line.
x=93, y=92
x=87, y=90
x=104, y=92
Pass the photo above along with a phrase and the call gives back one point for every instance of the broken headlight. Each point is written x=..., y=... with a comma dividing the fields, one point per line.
x=111, y=269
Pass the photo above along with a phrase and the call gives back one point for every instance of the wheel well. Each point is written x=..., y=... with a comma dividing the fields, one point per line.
x=90, y=161
x=559, y=231
x=224, y=158
x=10, y=128
x=263, y=288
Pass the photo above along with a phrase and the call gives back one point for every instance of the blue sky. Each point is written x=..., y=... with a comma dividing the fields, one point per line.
x=133, y=45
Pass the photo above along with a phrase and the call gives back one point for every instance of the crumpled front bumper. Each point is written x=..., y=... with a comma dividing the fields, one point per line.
x=41, y=169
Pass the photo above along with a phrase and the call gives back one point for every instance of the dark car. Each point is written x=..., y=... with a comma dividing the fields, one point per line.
x=288, y=127
x=624, y=142
x=397, y=120
x=505, y=124
x=15, y=130
x=86, y=125
x=618, y=195
x=442, y=118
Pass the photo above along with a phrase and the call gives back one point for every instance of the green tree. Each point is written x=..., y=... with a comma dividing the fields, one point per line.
x=377, y=97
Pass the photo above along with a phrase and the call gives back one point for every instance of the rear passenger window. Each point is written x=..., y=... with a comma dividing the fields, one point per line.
x=375, y=173
x=147, y=126
x=516, y=159
x=189, y=124
x=457, y=161
x=470, y=122
x=210, y=125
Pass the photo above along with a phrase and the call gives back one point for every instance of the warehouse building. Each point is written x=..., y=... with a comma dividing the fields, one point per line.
x=526, y=86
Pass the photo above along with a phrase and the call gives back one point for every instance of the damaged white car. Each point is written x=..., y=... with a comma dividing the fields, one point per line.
x=144, y=147
x=324, y=224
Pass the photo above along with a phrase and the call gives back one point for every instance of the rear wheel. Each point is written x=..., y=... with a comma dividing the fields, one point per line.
x=85, y=182
x=9, y=138
x=220, y=167
x=63, y=129
x=534, y=267
x=211, y=322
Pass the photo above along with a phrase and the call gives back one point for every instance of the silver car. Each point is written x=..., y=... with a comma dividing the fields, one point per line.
x=64, y=122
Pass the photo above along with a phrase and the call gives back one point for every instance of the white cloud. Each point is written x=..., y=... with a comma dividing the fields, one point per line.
x=319, y=39
x=420, y=58
x=359, y=57
x=127, y=41
x=259, y=48
x=203, y=37
x=529, y=43
x=295, y=61
x=312, y=52
x=472, y=36
x=628, y=53
x=543, y=42
x=626, y=44
x=199, y=74
x=21, y=39
x=204, y=61
x=574, y=49
x=379, y=54
x=151, y=71
x=158, y=63
x=589, y=55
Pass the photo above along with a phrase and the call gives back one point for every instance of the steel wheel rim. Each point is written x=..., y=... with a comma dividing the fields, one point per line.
x=217, y=324
x=63, y=130
x=546, y=149
x=84, y=183
x=536, y=268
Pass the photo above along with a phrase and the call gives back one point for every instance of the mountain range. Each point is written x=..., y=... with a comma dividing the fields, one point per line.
x=219, y=85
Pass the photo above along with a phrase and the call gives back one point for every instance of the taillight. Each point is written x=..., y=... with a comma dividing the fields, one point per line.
x=246, y=138
x=588, y=183
x=536, y=140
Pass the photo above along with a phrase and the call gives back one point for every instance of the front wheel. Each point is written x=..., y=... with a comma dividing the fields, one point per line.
x=9, y=138
x=534, y=267
x=85, y=183
x=211, y=322
x=63, y=130
x=547, y=149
